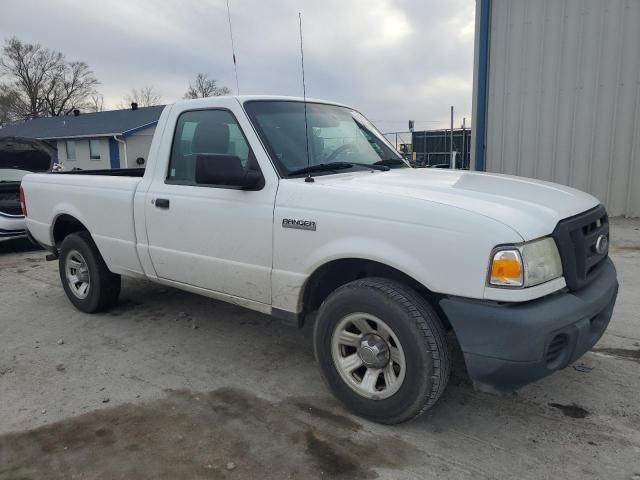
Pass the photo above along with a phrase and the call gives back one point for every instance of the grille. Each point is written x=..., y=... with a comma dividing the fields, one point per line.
x=556, y=349
x=576, y=238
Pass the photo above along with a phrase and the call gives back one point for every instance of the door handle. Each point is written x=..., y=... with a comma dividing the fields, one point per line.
x=162, y=203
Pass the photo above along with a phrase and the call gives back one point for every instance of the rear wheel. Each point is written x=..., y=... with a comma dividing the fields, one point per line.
x=382, y=349
x=86, y=280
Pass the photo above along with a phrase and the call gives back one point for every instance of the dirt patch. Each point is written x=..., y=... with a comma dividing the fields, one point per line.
x=623, y=353
x=125, y=305
x=625, y=248
x=339, y=421
x=34, y=260
x=113, y=343
x=192, y=435
x=573, y=411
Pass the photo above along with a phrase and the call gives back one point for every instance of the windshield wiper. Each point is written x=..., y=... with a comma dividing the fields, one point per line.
x=375, y=166
x=390, y=161
x=331, y=166
x=321, y=167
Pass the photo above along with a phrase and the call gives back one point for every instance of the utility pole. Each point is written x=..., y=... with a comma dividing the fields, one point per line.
x=464, y=138
x=452, y=158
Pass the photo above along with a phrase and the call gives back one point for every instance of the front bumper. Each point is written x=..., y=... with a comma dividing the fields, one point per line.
x=507, y=346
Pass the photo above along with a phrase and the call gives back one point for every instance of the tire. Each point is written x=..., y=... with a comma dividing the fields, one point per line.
x=416, y=338
x=80, y=259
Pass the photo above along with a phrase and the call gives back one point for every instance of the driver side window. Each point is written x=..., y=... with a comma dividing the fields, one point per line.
x=213, y=137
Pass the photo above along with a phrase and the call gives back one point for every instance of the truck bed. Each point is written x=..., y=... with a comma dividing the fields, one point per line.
x=102, y=202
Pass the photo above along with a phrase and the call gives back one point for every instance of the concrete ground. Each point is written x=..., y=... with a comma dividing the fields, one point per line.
x=172, y=385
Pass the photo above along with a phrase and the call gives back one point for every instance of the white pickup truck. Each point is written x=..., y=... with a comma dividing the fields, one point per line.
x=244, y=201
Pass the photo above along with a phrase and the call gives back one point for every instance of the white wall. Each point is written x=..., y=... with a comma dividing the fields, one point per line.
x=138, y=145
x=564, y=95
x=82, y=155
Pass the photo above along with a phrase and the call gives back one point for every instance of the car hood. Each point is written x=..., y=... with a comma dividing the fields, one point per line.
x=530, y=207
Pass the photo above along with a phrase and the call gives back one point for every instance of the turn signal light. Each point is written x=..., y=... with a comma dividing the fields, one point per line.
x=506, y=269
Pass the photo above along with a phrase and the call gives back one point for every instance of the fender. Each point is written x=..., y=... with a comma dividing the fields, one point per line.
x=288, y=287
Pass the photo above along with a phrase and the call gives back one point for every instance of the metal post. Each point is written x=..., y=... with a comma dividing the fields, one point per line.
x=464, y=137
x=452, y=158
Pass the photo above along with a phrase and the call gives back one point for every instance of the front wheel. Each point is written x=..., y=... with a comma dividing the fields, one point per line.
x=86, y=280
x=382, y=349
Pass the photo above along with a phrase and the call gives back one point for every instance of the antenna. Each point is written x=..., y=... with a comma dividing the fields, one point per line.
x=304, y=99
x=233, y=50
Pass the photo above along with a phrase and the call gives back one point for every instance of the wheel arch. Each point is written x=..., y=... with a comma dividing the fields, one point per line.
x=64, y=225
x=333, y=274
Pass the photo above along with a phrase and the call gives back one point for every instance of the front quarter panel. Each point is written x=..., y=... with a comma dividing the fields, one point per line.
x=444, y=248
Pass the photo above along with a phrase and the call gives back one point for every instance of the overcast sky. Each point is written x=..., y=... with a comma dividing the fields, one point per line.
x=392, y=59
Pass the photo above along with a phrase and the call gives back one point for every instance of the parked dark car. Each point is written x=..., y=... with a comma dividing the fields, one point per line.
x=18, y=157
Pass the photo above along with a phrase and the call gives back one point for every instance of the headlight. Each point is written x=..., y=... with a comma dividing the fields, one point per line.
x=541, y=261
x=525, y=265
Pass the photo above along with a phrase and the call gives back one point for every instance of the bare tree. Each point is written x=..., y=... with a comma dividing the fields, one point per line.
x=97, y=102
x=203, y=87
x=8, y=105
x=145, y=97
x=45, y=83
x=29, y=66
x=71, y=86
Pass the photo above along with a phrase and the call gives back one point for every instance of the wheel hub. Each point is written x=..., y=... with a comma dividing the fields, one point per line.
x=368, y=356
x=83, y=274
x=78, y=275
x=374, y=351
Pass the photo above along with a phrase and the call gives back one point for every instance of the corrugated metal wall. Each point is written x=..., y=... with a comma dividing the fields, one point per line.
x=564, y=95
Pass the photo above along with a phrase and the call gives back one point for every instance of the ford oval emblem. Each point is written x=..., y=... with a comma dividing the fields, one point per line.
x=602, y=244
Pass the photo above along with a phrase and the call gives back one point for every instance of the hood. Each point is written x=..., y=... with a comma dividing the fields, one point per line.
x=26, y=154
x=530, y=207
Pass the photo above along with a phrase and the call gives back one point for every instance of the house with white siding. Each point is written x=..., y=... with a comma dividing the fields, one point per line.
x=93, y=141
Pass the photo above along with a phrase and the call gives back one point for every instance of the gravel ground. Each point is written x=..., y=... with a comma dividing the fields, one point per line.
x=172, y=385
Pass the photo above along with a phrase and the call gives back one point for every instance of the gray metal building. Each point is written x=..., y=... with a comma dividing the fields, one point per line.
x=557, y=94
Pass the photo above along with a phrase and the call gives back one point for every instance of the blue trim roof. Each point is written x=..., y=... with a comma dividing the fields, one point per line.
x=114, y=122
x=128, y=133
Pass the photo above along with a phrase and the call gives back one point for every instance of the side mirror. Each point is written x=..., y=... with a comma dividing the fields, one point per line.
x=227, y=170
x=253, y=180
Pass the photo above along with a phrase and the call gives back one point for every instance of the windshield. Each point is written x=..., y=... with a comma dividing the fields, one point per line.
x=337, y=136
x=12, y=175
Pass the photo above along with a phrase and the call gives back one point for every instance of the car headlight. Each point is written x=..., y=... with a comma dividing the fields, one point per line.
x=525, y=265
